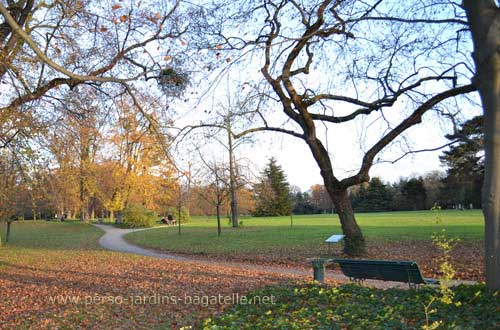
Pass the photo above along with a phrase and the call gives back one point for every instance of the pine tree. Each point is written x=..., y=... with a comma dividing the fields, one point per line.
x=272, y=193
x=465, y=162
x=414, y=194
x=373, y=197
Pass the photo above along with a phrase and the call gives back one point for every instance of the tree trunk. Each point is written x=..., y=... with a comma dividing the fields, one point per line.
x=7, y=235
x=179, y=211
x=83, y=204
x=484, y=21
x=33, y=209
x=119, y=217
x=354, y=242
x=82, y=194
x=83, y=215
x=232, y=177
x=218, y=220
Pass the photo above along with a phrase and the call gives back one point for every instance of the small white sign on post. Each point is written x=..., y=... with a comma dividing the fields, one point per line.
x=334, y=239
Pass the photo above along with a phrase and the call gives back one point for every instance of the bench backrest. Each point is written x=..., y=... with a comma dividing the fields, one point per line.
x=397, y=271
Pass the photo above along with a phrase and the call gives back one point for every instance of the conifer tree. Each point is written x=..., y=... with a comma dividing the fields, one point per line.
x=465, y=162
x=272, y=193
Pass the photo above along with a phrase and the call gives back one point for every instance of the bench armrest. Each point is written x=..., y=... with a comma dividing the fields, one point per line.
x=320, y=261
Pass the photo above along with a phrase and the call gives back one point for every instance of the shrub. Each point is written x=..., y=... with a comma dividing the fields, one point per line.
x=138, y=216
x=185, y=217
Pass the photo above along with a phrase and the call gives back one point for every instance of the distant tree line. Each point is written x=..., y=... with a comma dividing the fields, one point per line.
x=407, y=194
x=457, y=188
x=314, y=201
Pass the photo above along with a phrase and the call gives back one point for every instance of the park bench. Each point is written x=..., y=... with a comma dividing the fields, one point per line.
x=384, y=270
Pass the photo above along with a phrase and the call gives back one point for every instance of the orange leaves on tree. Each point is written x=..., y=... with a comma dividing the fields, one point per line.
x=116, y=6
x=123, y=18
x=155, y=18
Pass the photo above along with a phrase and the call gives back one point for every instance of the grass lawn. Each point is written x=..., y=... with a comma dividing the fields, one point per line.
x=390, y=235
x=55, y=276
x=48, y=235
x=266, y=234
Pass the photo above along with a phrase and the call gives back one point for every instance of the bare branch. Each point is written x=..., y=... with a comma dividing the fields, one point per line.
x=413, y=119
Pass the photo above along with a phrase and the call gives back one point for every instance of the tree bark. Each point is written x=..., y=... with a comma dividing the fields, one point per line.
x=7, y=235
x=33, y=208
x=84, y=159
x=218, y=220
x=484, y=20
x=232, y=177
x=354, y=242
x=119, y=217
x=179, y=210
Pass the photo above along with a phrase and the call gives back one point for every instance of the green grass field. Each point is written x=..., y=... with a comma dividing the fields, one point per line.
x=276, y=235
x=71, y=235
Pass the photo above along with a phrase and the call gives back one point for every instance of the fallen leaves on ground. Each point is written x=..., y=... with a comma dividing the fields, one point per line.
x=29, y=279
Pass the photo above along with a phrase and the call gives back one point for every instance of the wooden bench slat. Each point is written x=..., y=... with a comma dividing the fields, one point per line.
x=385, y=270
x=397, y=271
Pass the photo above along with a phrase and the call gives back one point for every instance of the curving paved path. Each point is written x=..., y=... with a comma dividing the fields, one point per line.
x=113, y=240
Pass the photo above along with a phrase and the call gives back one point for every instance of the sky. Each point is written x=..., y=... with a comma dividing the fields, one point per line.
x=302, y=171
x=346, y=143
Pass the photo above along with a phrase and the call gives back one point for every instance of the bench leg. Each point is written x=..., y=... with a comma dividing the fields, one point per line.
x=319, y=272
x=413, y=286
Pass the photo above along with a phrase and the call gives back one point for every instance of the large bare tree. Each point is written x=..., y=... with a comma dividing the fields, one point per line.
x=333, y=63
x=225, y=118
